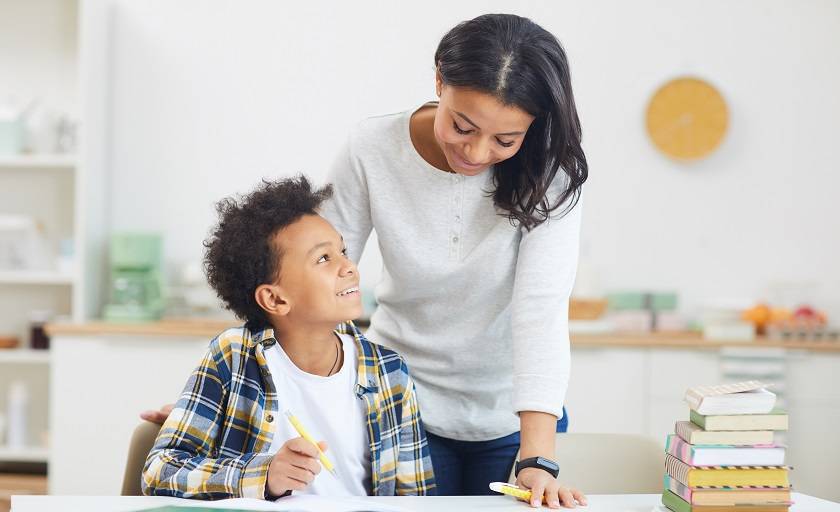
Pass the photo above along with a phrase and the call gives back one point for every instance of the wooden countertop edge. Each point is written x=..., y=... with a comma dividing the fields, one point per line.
x=189, y=328
x=694, y=341
x=211, y=327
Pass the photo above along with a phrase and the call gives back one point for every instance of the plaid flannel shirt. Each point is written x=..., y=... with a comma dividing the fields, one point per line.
x=215, y=443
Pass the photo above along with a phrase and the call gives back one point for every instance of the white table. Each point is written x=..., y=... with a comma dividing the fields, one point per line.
x=597, y=503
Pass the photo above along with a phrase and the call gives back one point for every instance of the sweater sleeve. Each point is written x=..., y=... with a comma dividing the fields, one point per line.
x=348, y=210
x=545, y=274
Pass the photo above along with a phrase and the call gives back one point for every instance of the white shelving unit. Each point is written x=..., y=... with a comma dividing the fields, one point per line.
x=44, y=65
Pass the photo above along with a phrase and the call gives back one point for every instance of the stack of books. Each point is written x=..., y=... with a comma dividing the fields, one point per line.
x=725, y=459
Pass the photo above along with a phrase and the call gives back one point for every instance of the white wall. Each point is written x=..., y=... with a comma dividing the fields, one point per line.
x=38, y=53
x=208, y=97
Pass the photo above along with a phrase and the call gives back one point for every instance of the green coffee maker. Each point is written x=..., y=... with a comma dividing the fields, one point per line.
x=136, y=286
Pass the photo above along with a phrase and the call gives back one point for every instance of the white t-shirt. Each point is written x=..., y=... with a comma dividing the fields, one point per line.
x=330, y=410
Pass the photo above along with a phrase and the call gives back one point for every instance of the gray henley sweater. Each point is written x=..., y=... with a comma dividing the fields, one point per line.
x=478, y=307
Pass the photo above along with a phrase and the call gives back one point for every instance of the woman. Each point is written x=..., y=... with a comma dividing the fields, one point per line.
x=474, y=201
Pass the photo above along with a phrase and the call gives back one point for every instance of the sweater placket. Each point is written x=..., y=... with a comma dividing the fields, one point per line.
x=455, y=216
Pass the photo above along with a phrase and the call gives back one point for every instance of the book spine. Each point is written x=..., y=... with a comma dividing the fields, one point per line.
x=693, y=399
x=680, y=449
x=698, y=419
x=683, y=491
x=674, y=502
x=676, y=469
x=684, y=431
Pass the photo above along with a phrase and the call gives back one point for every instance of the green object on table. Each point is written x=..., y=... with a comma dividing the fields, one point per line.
x=635, y=301
x=624, y=301
x=665, y=301
x=136, y=278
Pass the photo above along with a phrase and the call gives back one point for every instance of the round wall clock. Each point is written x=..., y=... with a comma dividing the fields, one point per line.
x=687, y=118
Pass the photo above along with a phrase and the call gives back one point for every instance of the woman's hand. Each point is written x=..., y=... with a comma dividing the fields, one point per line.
x=294, y=466
x=157, y=416
x=542, y=483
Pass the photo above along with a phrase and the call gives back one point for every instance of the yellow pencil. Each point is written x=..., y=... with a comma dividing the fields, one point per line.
x=304, y=434
x=512, y=490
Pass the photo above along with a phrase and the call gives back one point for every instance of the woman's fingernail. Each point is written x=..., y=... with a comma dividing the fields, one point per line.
x=535, y=503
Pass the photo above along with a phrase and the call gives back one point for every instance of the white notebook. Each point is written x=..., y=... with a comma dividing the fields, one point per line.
x=749, y=397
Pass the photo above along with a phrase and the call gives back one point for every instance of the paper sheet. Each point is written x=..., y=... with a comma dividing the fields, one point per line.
x=303, y=503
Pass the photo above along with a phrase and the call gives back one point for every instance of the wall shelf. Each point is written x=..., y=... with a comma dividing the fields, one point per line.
x=28, y=454
x=63, y=162
x=25, y=277
x=24, y=355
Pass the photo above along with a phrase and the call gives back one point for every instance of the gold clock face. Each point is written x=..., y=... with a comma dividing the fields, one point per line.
x=687, y=118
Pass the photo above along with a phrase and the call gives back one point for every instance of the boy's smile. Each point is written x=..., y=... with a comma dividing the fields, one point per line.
x=351, y=292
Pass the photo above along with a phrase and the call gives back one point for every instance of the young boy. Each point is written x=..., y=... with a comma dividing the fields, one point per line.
x=283, y=269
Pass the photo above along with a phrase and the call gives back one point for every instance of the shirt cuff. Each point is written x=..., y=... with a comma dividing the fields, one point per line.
x=539, y=393
x=254, y=481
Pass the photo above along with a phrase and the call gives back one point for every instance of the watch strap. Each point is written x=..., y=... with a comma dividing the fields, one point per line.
x=543, y=463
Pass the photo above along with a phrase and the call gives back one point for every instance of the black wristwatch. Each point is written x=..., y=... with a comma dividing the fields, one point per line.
x=539, y=462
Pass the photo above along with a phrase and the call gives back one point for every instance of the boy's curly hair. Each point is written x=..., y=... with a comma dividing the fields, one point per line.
x=240, y=254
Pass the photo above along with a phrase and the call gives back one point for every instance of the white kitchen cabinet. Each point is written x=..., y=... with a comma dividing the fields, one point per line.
x=98, y=386
x=607, y=390
x=813, y=402
x=640, y=390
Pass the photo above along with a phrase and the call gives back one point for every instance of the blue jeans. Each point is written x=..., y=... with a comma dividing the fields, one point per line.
x=466, y=468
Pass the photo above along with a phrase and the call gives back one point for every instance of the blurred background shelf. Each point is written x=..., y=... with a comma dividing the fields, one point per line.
x=62, y=162
x=28, y=454
x=24, y=356
x=25, y=277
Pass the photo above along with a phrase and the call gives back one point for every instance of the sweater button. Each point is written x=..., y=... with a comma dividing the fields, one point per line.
x=269, y=418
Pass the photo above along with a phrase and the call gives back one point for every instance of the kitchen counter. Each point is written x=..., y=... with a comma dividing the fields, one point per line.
x=632, y=383
x=208, y=328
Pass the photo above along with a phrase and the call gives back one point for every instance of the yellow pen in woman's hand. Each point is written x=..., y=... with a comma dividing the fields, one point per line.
x=512, y=490
x=304, y=434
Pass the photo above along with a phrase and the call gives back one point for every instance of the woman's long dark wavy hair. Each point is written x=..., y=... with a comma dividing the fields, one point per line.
x=522, y=64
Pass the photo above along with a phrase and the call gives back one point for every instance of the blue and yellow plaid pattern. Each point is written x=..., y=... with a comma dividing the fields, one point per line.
x=215, y=443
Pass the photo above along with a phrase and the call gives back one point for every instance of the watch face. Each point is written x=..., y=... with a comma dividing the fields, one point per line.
x=548, y=463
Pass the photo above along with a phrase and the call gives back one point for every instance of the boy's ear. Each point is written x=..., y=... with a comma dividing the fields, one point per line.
x=271, y=298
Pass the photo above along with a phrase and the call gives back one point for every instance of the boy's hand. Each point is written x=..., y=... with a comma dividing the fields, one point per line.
x=294, y=466
x=540, y=482
x=157, y=416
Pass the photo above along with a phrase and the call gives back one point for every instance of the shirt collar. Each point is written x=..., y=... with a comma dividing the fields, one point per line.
x=366, y=362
